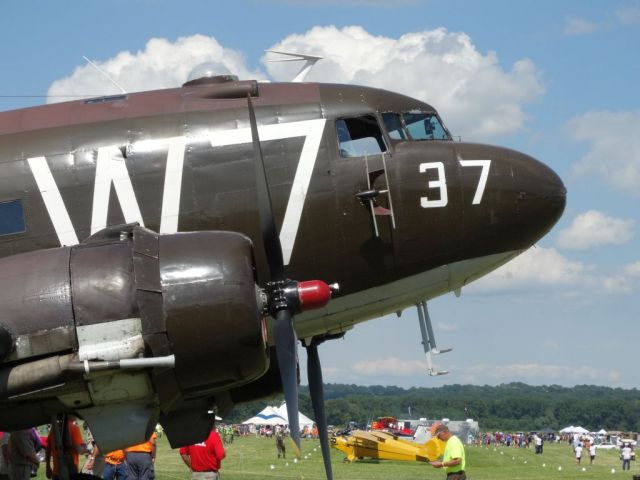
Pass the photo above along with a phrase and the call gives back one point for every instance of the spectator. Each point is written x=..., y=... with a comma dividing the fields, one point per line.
x=538, y=443
x=140, y=459
x=578, y=452
x=204, y=459
x=280, y=442
x=453, y=458
x=70, y=453
x=625, y=454
x=4, y=456
x=22, y=454
x=114, y=466
x=94, y=464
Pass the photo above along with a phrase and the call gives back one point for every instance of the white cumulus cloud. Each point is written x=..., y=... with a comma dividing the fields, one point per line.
x=475, y=95
x=629, y=14
x=578, y=26
x=595, y=229
x=390, y=366
x=625, y=280
x=162, y=64
x=538, y=267
x=614, y=152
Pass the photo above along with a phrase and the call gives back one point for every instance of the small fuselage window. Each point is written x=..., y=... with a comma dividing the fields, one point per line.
x=11, y=217
x=360, y=136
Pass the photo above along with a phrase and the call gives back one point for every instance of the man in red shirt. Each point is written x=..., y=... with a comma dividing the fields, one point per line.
x=204, y=459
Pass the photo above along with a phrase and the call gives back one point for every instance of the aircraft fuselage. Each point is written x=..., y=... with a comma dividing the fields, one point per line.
x=180, y=160
x=368, y=190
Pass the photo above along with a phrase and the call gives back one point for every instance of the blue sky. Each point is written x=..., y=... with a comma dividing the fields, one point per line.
x=557, y=80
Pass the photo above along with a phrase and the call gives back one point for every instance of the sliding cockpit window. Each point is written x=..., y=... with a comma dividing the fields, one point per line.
x=393, y=124
x=360, y=136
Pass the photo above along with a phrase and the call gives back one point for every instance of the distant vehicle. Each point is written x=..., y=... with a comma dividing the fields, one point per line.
x=621, y=441
x=391, y=425
x=606, y=445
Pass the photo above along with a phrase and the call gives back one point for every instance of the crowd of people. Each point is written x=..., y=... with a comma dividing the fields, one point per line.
x=583, y=445
x=22, y=451
x=519, y=439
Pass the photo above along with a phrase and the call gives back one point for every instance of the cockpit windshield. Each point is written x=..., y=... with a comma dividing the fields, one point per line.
x=417, y=126
x=394, y=126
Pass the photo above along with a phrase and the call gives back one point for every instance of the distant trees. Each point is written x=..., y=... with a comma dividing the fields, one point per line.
x=513, y=406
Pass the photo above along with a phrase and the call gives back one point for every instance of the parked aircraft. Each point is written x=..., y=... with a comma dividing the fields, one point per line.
x=146, y=238
x=383, y=445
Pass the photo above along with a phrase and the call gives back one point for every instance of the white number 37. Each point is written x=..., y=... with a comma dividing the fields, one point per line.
x=440, y=183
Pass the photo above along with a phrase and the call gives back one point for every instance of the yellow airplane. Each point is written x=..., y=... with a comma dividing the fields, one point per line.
x=359, y=444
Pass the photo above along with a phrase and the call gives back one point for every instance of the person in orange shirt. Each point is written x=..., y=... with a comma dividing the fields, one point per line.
x=140, y=459
x=114, y=466
x=75, y=447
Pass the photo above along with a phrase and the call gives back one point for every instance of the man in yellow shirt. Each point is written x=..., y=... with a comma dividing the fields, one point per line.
x=453, y=460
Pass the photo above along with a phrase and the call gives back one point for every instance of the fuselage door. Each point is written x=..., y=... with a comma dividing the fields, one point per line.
x=362, y=137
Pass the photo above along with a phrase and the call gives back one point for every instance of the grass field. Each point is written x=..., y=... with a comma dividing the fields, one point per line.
x=252, y=458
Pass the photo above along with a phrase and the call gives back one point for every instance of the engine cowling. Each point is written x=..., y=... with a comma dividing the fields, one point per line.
x=191, y=294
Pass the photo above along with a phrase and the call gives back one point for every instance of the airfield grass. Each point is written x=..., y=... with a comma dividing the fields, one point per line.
x=252, y=458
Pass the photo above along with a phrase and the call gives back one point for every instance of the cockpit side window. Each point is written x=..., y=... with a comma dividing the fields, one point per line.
x=393, y=123
x=359, y=136
x=425, y=126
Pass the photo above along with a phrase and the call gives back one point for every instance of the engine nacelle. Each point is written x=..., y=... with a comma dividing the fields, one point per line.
x=191, y=294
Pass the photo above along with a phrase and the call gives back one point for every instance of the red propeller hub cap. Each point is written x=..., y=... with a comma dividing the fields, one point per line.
x=313, y=294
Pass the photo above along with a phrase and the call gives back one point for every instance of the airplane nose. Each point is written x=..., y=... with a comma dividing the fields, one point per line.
x=540, y=194
x=524, y=198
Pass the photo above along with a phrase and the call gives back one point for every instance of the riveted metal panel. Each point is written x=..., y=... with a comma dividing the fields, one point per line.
x=35, y=295
x=103, y=283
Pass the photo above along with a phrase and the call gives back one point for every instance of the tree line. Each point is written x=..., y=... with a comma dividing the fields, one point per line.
x=512, y=406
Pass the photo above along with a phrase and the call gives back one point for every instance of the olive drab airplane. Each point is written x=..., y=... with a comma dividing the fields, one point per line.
x=162, y=252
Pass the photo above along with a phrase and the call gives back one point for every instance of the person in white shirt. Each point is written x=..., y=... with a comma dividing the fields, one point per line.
x=592, y=453
x=578, y=453
x=538, y=441
x=626, y=457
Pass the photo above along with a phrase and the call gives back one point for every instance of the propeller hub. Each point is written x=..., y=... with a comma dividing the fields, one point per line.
x=297, y=296
x=313, y=294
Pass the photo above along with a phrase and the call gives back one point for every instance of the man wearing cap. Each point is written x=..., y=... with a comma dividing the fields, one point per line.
x=453, y=460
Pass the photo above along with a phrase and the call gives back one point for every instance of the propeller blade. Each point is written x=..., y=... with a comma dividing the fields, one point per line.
x=285, y=339
x=314, y=374
x=270, y=238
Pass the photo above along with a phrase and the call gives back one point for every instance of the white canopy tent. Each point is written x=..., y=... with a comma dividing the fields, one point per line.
x=572, y=429
x=303, y=420
x=602, y=431
x=268, y=416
